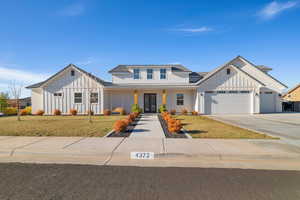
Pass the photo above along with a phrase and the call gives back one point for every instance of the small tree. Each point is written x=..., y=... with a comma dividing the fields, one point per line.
x=3, y=101
x=16, y=92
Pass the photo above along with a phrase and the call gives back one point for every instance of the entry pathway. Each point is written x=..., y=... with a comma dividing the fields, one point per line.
x=148, y=127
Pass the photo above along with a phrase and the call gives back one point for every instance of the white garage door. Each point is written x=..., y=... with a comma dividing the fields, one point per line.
x=228, y=102
x=267, y=102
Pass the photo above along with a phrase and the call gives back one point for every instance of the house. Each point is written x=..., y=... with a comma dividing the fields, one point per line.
x=292, y=99
x=23, y=102
x=237, y=87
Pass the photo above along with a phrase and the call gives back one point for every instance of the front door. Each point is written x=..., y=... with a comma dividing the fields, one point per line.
x=150, y=103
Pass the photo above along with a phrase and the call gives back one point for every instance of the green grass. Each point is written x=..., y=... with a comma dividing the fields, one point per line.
x=57, y=126
x=204, y=127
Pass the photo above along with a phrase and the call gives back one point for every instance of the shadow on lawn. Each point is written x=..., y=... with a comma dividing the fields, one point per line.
x=195, y=131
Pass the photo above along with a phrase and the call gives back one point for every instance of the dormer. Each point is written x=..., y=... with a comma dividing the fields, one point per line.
x=150, y=74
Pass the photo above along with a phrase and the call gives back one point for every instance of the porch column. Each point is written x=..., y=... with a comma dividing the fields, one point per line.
x=136, y=97
x=164, y=97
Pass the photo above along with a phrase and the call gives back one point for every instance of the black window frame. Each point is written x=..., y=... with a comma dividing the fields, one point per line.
x=163, y=73
x=76, y=98
x=72, y=72
x=149, y=74
x=180, y=99
x=57, y=94
x=96, y=98
x=136, y=74
x=228, y=71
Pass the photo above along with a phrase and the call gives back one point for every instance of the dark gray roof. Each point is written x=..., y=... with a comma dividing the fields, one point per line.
x=194, y=77
x=264, y=68
x=37, y=85
x=124, y=68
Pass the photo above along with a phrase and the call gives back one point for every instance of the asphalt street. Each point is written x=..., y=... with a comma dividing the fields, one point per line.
x=49, y=181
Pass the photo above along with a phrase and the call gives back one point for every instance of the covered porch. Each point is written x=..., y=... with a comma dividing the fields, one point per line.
x=149, y=99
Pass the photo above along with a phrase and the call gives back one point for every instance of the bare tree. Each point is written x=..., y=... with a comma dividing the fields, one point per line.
x=16, y=92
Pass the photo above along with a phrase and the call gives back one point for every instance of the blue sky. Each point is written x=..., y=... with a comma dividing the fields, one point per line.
x=38, y=38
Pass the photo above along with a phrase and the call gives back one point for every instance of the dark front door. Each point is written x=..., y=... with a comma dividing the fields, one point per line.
x=150, y=103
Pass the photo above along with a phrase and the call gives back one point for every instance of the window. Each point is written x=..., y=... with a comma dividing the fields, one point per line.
x=209, y=92
x=180, y=99
x=72, y=73
x=233, y=91
x=77, y=97
x=163, y=73
x=221, y=92
x=245, y=92
x=57, y=94
x=268, y=92
x=94, y=98
x=228, y=71
x=136, y=73
x=149, y=73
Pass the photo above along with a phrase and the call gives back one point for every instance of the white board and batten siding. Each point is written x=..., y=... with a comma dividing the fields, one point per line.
x=68, y=85
x=234, y=93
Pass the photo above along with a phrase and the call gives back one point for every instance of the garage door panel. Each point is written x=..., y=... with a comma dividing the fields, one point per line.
x=227, y=103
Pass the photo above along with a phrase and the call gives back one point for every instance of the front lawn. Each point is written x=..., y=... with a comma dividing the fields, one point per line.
x=204, y=127
x=57, y=126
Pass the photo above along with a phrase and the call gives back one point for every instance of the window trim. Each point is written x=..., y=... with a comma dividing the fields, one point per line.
x=136, y=73
x=163, y=74
x=57, y=94
x=148, y=74
x=97, y=98
x=180, y=95
x=78, y=97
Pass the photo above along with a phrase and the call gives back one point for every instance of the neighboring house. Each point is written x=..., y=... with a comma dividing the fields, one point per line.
x=24, y=102
x=238, y=87
x=292, y=99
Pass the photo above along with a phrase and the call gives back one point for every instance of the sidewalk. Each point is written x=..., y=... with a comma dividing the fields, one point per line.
x=148, y=127
x=255, y=154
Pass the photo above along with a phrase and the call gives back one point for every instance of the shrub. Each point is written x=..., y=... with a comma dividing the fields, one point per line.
x=107, y=112
x=119, y=126
x=162, y=108
x=174, y=125
x=90, y=112
x=126, y=121
x=132, y=116
x=28, y=110
x=173, y=112
x=136, y=114
x=73, y=112
x=23, y=112
x=184, y=111
x=135, y=108
x=57, y=112
x=10, y=111
x=122, y=111
x=194, y=113
x=40, y=112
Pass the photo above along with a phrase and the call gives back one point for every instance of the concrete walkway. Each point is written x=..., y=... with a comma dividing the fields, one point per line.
x=148, y=127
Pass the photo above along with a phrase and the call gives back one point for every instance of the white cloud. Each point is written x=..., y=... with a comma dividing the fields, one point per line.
x=274, y=8
x=195, y=30
x=72, y=10
x=20, y=77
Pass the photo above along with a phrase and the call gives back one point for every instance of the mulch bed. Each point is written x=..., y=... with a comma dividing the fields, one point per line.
x=128, y=131
x=167, y=133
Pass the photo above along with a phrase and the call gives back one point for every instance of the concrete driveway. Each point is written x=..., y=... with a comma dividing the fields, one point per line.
x=283, y=125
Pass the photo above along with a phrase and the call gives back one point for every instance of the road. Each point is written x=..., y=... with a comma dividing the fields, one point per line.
x=49, y=181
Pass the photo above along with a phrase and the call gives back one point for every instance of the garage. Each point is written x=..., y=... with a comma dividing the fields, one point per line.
x=228, y=102
x=267, y=102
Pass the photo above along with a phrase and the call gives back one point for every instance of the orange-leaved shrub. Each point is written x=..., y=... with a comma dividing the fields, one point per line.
x=173, y=112
x=73, y=112
x=194, y=113
x=40, y=112
x=174, y=125
x=120, y=126
x=23, y=112
x=107, y=112
x=184, y=111
x=120, y=110
x=57, y=112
